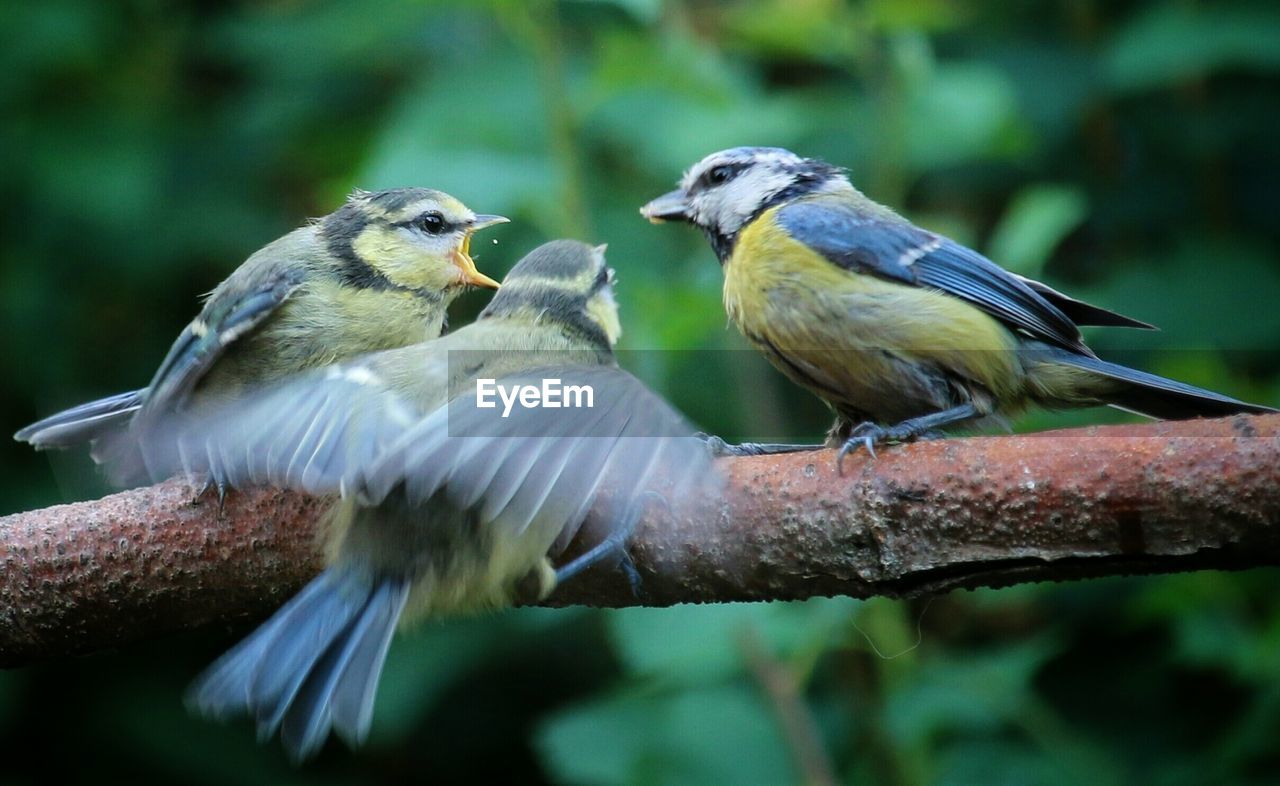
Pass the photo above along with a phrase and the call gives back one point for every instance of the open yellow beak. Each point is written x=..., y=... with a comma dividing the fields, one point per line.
x=462, y=257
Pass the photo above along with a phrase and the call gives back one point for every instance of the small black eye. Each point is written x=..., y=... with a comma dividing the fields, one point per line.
x=431, y=223
x=719, y=175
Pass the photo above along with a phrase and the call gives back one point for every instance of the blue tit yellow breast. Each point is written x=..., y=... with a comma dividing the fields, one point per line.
x=868, y=346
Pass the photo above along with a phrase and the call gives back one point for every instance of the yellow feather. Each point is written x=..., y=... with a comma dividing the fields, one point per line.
x=853, y=339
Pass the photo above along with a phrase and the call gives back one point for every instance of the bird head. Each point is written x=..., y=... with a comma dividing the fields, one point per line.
x=562, y=281
x=725, y=191
x=407, y=238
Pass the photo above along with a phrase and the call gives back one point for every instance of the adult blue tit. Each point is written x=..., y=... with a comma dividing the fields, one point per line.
x=447, y=506
x=377, y=273
x=899, y=330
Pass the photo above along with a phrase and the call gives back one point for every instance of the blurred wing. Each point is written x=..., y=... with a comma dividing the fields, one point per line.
x=314, y=432
x=344, y=430
x=549, y=464
x=223, y=320
x=900, y=251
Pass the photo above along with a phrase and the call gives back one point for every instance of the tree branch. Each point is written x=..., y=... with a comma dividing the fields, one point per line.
x=922, y=518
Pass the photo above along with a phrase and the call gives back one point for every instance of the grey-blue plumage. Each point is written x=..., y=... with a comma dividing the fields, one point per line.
x=313, y=666
x=901, y=331
x=446, y=505
x=378, y=273
x=83, y=423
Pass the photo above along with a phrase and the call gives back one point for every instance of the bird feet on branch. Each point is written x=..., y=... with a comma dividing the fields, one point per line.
x=868, y=435
x=212, y=484
x=615, y=546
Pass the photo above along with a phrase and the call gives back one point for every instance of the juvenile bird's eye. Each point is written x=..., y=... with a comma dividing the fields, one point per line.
x=431, y=223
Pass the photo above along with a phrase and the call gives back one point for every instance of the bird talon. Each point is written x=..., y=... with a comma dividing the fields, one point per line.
x=628, y=567
x=219, y=487
x=864, y=435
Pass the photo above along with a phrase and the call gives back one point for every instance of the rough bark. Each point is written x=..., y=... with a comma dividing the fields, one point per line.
x=922, y=518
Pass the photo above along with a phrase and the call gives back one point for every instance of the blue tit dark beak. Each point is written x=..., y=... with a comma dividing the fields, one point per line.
x=668, y=207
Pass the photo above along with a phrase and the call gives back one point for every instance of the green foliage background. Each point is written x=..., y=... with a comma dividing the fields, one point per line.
x=1126, y=152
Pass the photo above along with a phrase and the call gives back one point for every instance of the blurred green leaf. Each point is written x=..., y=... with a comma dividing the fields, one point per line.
x=961, y=112
x=970, y=692
x=1037, y=220
x=822, y=29
x=1172, y=42
x=993, y=762
x=646, y=11
x=697, y=643
x=710, y=735
x=1205, y=292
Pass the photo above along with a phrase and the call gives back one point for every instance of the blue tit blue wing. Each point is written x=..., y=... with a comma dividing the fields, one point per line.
x=896, y=250
x=1083, y=313
x=227, y=316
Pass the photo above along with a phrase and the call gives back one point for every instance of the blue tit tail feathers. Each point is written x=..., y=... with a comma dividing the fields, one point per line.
x=83, y=423
x=312, y=667
x=1147, y=394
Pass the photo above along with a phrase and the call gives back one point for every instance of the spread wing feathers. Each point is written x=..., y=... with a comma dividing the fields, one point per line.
x=311, y=433
x=548, y=464
x=225, y=318
x=312, y=666
x=345, y=430
x=84, y=422
x=1083, y=313
x=900, y=251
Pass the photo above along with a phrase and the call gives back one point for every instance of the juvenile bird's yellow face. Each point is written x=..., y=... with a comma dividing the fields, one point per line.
x=416, y=239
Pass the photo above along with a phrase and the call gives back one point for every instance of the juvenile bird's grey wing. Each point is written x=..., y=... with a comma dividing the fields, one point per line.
x=1083, y=313
x=549, y=464
x=234, y=311
x=900, y=251
x=313, y=432
x=84, y=422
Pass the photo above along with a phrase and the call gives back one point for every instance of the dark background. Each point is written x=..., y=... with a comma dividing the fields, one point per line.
x=1125, y=152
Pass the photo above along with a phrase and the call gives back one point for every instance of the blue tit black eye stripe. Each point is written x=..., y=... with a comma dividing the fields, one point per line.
x=431, y=222
x=444, y=505
x=603, y=278
x=340, y=231
x=718, y=176
x=306, y=299
x=901, y=328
